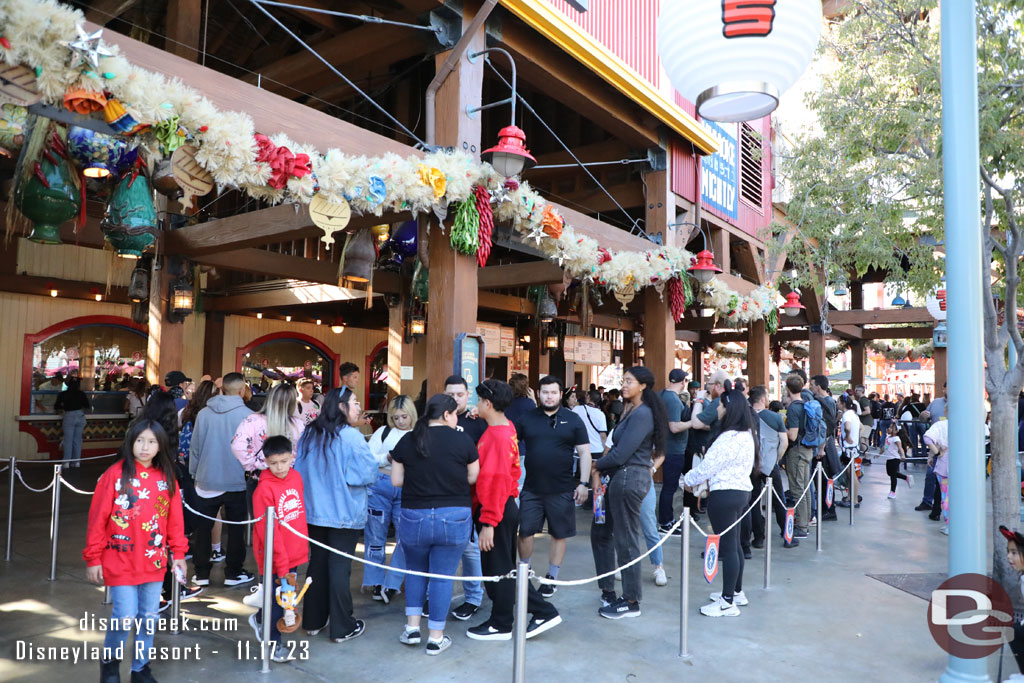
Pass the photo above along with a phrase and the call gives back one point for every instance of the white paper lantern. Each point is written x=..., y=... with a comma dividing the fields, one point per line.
x=735, y=58
x=936, y=302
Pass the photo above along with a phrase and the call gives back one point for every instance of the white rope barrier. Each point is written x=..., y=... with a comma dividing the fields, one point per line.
x=218, y=519
x=68, y=484
x=65, y=462
x=757, y=501
x=22, y=479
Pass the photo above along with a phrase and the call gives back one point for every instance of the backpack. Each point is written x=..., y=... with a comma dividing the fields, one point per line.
x=888, y=411
x=813, y=427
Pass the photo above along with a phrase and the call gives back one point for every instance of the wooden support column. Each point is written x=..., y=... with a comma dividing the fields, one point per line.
x=659, y=337
x=184, y=21
x=697, y=361
x=857, y=358
x=758, y=354
x=939, y=358
x=453, y=277
x=539, y=359
x=628, y=353
x=166, y=339
x=213, y=345
x=399, y=352
x=720, y=245
x=816, y=360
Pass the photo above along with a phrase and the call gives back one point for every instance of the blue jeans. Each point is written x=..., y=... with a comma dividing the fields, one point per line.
x=133, y=603
x=384, y=505
x=650, y=525
x=930, y=482
x=473, y=591
x=73, y=425
x=434, y=540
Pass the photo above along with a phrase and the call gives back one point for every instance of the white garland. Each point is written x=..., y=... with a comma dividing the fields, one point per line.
x=38, y=30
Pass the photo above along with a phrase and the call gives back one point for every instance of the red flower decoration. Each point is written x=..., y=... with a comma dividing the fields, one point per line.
x=603, y=256
x=282, y=162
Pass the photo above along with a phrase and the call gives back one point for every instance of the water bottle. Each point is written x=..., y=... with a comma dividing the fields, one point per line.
x=599, y=512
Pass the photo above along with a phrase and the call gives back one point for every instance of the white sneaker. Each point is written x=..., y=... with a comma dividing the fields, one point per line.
x=892, y=494
x=944, y=530
x=910, y=481
x=659, y=577
x=255, y=597
x=720, y=608
x=739, y=599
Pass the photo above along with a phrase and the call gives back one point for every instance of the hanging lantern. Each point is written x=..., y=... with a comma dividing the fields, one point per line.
x=138, y=287
x=130, y=223
x=380, y=232
x=359, y=257
x=182, y=300
x=840, y=290
x=546, y=309
x=49, y=197
x=339, y=325
x=164, y=181
x=735, y=58
x=417, y=326
x=792, y=307
x=510, y=156
x=552, y=342
x=899, y=301
x=98, y=155
x=704, y=268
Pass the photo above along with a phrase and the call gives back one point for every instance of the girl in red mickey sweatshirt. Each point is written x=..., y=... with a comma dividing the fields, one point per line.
x=135, y=517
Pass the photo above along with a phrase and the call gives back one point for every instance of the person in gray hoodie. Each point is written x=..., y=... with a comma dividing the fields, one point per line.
x=219, y=481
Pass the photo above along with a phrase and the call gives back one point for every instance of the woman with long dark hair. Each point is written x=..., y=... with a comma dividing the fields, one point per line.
x=434, y=466
x=727, y=467
x=336, y=467
x=640, y=433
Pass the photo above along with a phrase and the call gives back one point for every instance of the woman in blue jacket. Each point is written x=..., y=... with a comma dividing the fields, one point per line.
x=336, y=467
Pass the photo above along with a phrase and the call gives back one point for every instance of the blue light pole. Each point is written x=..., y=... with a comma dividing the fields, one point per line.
x=962, y=183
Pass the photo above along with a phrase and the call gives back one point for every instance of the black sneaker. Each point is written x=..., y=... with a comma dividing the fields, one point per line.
x=144, y=676
x=538, y=626
x=620, y=609
x=359, y=630
x=410, y=637
x=792, y=544
x=608, y=598
x=387, y=595
x=922, y=507
x=757, y=543
x=238, y=579
x=487, y=632
x=436, y=648
x=747, y=555
x=378, y=594
x=546, y=589
x=830, y=516
x=800, y=533
x=464, y=611
x=217, y=556
x=189, y=592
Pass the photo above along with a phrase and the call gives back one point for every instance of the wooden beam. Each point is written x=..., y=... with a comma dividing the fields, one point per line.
x=102, y=12
x=184, y=19
x=659, y=337
x=264, y=262
x=848, y=331
x=270, y=113
x=520, y=275
x=628, y=195
x=816, y=354
x=688, y=336
x=295, y=295
x=758, y=354
x=915, y=332
x=492, y=301
x=882, y=316
x=66, y=289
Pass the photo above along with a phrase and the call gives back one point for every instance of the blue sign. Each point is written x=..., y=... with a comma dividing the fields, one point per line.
x=719, y=178
x=469, y=362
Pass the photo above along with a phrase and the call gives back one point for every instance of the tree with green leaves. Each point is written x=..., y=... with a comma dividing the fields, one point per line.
x=866, y=186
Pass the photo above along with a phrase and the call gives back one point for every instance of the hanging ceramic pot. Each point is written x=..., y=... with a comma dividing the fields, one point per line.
x=163, y=179
x=359, y=257
x=50, y=196
x=98, y=155
x=403, y=238
x=130, y=223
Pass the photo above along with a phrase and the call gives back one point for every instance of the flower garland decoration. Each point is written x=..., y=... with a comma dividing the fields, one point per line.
x=483, y=209
x=164, y=113
x=465, y=233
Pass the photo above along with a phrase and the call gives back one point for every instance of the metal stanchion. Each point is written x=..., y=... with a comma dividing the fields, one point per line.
x=770, y=488
x=820, y=493
x=268, y=589
x=106, y=595
x=684, y=584
x=519, y=636
x=54, y=514
x=10, y=504
x=175, y=601
x=853, y=488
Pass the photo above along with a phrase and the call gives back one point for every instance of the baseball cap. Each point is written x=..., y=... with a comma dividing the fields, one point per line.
x=174, y=378
x=693, y=385
x=677, y=375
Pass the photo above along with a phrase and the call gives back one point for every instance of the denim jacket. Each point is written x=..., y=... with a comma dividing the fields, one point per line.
x=335, y=475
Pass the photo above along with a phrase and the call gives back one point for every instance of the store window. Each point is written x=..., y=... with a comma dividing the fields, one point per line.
x=104, y=357
x=286, y=359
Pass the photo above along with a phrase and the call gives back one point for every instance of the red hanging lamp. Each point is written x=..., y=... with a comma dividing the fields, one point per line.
x=510, y=156
x=792, y=307
x=704, y=268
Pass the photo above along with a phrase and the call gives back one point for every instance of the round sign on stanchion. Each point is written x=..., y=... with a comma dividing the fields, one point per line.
x=711, y=557
x=829, y=493
x=136, y=356
x=308, y=365
x=790, y=515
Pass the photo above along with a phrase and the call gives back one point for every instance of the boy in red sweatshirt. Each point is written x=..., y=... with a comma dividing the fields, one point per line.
x=279, y=487
x=497, y=518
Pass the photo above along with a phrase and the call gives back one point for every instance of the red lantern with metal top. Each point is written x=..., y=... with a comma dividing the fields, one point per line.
x=704, y=268
x=792, y=307
x=510, y=156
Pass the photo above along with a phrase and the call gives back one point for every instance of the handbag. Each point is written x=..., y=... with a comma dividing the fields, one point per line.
x=701, y=490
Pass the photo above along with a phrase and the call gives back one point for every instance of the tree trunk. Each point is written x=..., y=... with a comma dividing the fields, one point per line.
x=1005, y=487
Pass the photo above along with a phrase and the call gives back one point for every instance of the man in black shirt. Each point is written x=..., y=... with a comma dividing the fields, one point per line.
x=549, y=436
x=456, y=387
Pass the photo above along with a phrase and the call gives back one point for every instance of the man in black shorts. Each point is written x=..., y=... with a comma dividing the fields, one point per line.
x=549, y=437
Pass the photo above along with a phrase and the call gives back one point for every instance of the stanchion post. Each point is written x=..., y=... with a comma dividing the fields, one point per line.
x=268, y=588
x=11, y=466
x=54, y=521
x=106, y=595
x=820, y=493
x=853, y=488
x=519, y=637
x=769, y=489
x=175, y=601
x=684, y=586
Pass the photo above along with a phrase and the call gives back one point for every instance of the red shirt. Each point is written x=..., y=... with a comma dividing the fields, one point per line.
x=287, y=498
x=129, y=534
x=499, y=473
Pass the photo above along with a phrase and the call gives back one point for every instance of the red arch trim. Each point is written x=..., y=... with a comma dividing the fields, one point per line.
x=291, y=336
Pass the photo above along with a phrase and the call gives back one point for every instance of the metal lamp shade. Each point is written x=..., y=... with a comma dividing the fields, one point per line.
x=547, y=311
x=138, y=288
x=510, y=156
x=359, y=257
x=130, y=223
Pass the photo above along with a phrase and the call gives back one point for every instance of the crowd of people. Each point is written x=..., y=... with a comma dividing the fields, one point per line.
x=464, y=487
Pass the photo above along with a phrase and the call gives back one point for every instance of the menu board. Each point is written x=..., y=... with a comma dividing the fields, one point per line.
x=587, y=350
x=491, y=334
x=508, y=341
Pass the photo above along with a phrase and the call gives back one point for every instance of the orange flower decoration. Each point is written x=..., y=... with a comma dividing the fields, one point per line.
x=552, y=223
x=85, y=102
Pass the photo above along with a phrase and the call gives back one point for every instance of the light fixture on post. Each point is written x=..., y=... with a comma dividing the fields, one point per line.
x=53, y=289
x=319, y=321
x=417, y=326
x=182, y=300
x=259, y=316
x=840, y=289
x=734, y=58
x=287, y=318
x=792, y=307
x=339, y=325
x=138, y=288
x=704, y=269
x=509, y=157
x=95, y=291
